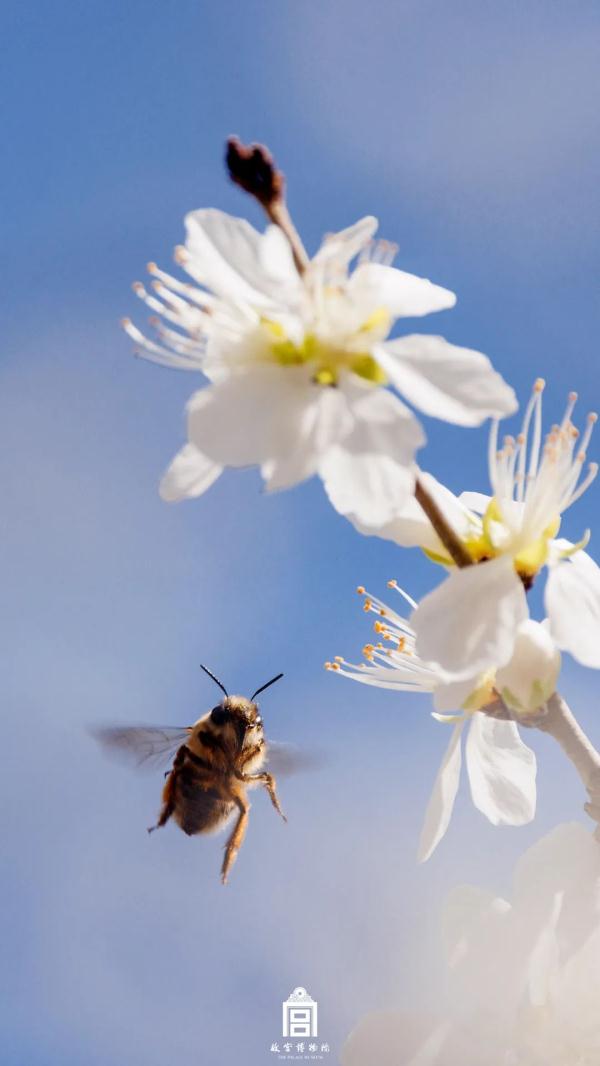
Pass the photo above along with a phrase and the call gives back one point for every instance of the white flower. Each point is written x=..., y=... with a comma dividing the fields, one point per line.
x=297, y=363
x=500, y=767
x=470, y=621
x=523, y=975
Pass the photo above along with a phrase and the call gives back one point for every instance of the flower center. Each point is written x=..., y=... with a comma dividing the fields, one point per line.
x=327, y=358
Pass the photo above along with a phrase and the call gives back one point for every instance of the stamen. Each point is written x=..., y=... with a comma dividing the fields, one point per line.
x=585, y=484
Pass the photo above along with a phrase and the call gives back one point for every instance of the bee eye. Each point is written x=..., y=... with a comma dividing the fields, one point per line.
x=219, y=716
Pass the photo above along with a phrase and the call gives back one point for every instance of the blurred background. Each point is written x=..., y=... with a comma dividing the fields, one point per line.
x=471, y=130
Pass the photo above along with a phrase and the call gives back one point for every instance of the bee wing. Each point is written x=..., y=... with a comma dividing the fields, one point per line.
x=148, y=746
x=286, y=759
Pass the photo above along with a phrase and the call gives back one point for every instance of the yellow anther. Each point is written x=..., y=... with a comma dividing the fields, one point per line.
x=401, y=643
x=572, y=397
x=137, y=287
x=338, y=659
x=335, y=666
x=392, y=584
x=361, y=590
x=325, y=376
x=368, y=649
x=152, y=268
x=539, y=385
x=382, y=612
x=125, y=322
x=367, y=605
x=592, y=417
x=378, y=627
x=327, y=665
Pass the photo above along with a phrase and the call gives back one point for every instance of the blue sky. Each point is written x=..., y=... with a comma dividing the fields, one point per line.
x=470, y=129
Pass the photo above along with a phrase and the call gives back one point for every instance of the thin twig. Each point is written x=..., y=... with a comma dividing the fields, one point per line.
x=451, y=541
x=558, y=720
x=279, y=214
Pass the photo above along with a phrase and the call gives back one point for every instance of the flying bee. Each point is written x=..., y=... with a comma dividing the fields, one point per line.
x=216, y=761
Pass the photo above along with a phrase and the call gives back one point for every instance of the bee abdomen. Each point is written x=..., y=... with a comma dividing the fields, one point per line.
x=199, y=806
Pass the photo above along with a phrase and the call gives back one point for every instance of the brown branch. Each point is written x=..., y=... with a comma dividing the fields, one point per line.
x=451, y=541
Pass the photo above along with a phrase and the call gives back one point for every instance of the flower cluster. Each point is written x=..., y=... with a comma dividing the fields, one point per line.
x=303, y=374
x=471, y=642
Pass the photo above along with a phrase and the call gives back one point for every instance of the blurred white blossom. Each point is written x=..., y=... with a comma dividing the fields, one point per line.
x=500, y=767
x=296, y=363
x=522, y=976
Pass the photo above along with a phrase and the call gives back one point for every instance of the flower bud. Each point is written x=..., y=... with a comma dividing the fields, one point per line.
x=531, y=675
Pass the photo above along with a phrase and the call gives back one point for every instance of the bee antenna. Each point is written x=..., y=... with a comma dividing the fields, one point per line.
x=215, y=679
x=263, y=687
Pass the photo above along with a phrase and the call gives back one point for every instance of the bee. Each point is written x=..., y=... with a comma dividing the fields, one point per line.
x=216, y=761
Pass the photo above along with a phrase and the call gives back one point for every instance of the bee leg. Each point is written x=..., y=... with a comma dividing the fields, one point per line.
x=271, y=786
x=237, y=837
x=168, y=797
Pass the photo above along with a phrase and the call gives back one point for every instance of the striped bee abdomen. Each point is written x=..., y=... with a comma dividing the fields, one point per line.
x=199, y=806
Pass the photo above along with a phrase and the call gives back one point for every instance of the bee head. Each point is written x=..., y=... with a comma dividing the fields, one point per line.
x=239, y=716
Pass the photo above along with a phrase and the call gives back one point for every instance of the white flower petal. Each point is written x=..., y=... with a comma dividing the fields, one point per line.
x=531, y=675
x=402, y=294
x=323, y=422
x=411, y=528
x=468, y=624
x=455, y=384
x=441, y=803
x=502, y=771
x=452, y=695
x=370, y=473
x=235, y=261
x=573, y=606
x=251, y=416
x=190, y=474
x=475, y=501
